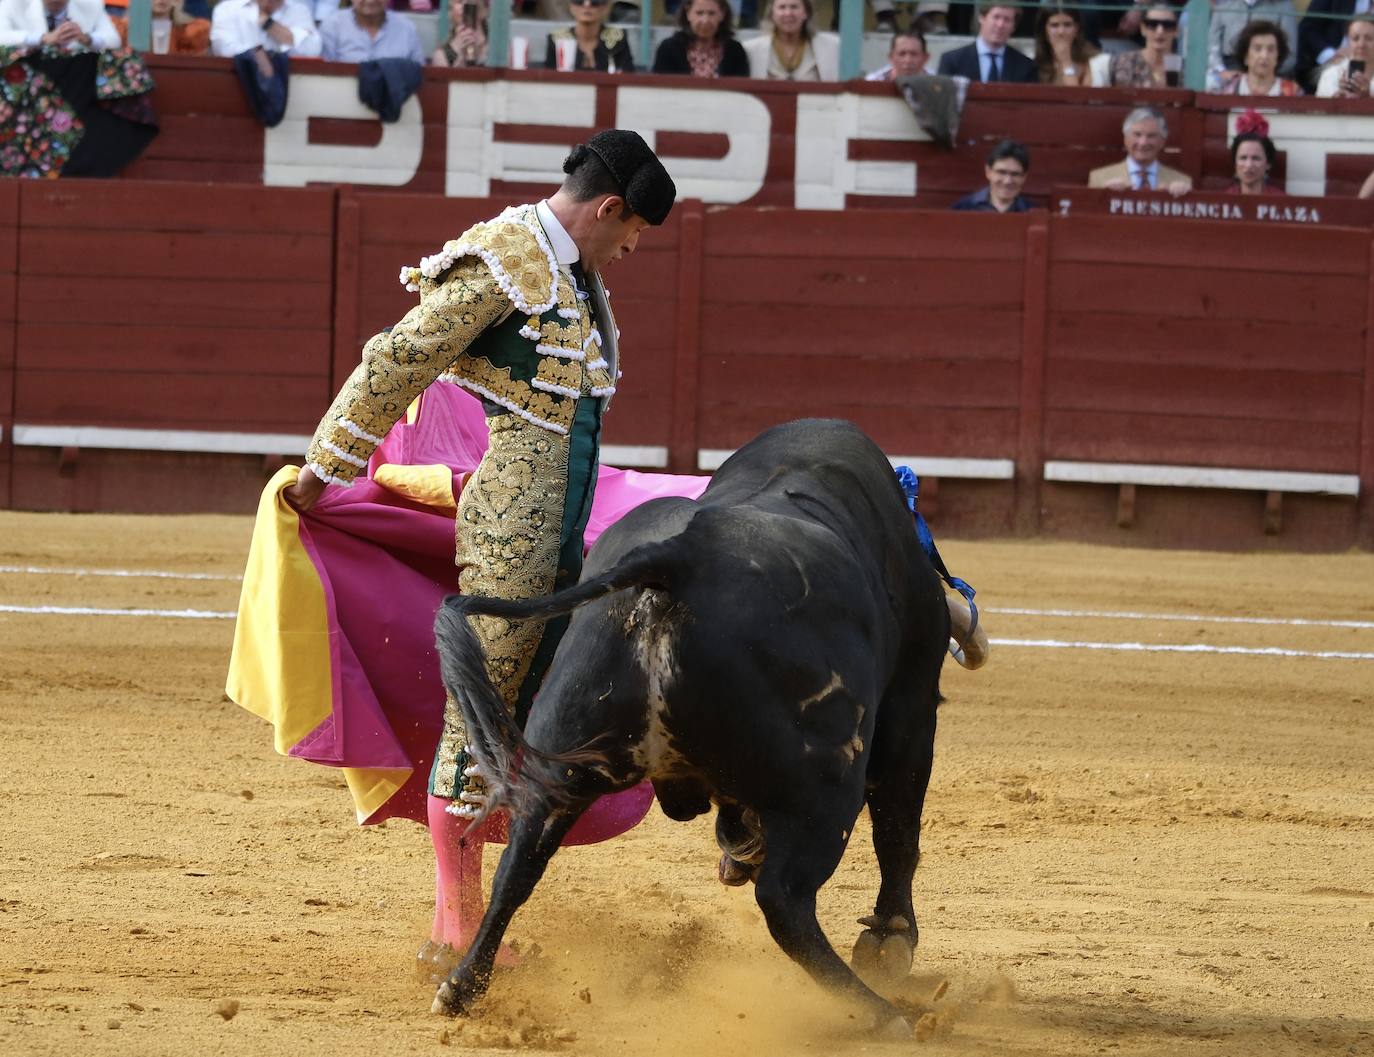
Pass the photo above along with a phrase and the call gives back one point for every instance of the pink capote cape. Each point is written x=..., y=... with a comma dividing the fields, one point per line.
x=334, y=643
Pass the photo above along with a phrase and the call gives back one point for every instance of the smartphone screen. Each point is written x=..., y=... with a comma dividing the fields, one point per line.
x=470, y=16
x=1356, y=66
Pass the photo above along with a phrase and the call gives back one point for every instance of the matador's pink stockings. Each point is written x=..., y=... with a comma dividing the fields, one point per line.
x=458, y=903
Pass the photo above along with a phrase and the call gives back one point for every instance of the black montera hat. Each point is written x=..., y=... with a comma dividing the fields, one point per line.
x=644, y=183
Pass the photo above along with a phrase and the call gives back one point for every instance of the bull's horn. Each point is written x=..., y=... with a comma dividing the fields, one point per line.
x=972, y=650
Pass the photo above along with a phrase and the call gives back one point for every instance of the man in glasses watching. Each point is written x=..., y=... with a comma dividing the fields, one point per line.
x=1005, y=170
x=1146, y=132
x=597, y=45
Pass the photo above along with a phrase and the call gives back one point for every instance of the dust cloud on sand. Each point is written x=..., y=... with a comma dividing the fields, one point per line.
x=1124, y=853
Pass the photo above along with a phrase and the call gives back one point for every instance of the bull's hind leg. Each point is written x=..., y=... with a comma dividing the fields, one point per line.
x=896, y=795
x=801, y=857
x=533, y=840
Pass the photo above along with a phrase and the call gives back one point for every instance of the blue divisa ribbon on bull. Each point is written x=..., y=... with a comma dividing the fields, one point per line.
x=911, y=487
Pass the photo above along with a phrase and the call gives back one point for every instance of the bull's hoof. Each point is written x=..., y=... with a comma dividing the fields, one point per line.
x=451, y=1000
x=884, y=951
x=893, y=1029
x=734, y=873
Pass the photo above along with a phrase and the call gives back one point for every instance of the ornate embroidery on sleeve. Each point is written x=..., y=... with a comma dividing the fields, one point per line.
x=397, y=365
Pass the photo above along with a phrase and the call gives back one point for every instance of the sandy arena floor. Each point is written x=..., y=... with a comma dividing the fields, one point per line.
x=1125, y=852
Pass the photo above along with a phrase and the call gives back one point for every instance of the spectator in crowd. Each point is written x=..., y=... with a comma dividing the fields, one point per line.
x=1340, y=80
x=69, y=24
x=906, y=57
x=467, y=35
x=930, y=17
x=285, y=26
x=173, y=31
x=1062, y=52
x=1230, y=19
x=1146, y=132
x=704, y=44
x=989, y=58
x=1006, y=170
x=789, y=50
x=1149, y=66
x=1260, y=52
x=1253, y=157
x=1322, y=38
x=599, y=46
x=368, y=31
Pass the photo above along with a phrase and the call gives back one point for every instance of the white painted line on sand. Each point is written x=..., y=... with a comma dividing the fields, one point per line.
x=1182, y=647
x=40, y=570
x=1199, y=618
x=89, y=611
x=1050, y=644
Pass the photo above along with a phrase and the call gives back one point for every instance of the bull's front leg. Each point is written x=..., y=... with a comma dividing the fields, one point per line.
x=801, y=857
x=886, y=948
x=533, y=840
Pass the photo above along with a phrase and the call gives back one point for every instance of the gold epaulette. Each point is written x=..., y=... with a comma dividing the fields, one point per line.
x=513, y=247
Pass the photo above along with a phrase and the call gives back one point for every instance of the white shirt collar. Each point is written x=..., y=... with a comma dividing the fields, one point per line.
x=985, y=48
x=564, y=248
x=1133, y=167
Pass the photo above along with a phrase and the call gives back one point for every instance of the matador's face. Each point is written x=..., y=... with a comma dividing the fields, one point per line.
x=614, y=235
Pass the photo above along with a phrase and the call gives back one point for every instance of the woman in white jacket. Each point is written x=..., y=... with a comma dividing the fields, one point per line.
x=788, y=50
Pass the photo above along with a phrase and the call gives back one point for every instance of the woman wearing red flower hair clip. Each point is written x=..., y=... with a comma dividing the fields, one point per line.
x=1253, y=156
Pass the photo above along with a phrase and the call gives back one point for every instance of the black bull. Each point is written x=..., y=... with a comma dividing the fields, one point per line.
x=774, y=647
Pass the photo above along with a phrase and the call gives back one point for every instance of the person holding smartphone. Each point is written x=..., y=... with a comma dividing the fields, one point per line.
x=467, y=35
x=1349, y=78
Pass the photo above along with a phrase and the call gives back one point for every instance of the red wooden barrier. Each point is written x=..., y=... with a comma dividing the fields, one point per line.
x=1174, y=342
x=907, y=323
x=236, y=312
x=167, y=308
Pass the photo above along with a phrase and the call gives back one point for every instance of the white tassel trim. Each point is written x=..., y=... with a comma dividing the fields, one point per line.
x=352, y=460
x=533, y=333
x=594, y=338
x=327, y=477
x=514, y=409
x=554, y=387
x=602, y=390
x=597, y=364
x=569, y=313
x=453, y=252
x=359, y=432
x=560, y=352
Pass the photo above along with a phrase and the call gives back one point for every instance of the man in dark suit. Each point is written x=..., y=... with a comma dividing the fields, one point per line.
x=988, y=58
x=1322, y=40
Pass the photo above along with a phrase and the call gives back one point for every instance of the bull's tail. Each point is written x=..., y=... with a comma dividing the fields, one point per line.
x=519, y=774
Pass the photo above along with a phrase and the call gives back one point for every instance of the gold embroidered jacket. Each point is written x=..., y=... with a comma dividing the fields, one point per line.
x=496, y=316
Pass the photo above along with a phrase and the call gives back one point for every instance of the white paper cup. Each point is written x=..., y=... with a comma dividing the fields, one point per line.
x=566, y=54
x=519, y=53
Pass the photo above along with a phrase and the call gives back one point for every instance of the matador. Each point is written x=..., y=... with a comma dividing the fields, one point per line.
x=514, y=310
